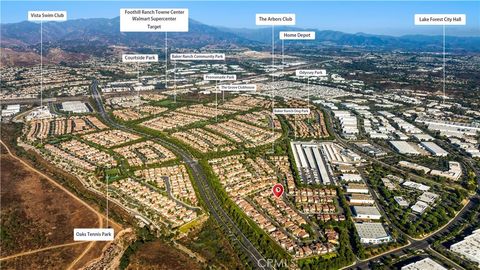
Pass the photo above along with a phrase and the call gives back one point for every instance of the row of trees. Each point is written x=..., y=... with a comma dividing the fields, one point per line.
x=343, y=257
x=432, y=219
x=263, y=242
x=470, y=222
x=349, y=242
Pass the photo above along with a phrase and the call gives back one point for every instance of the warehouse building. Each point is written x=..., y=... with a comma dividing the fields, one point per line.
x=366, y=212
x=348, y=122
x=434, y=149
x=351, y=177
x=371, y=150
x=372, y=233
x=311, y=163
x=361, y=199
x=357, y=188
x=405, y=148
x=425, y=264
x=75, y=107
x=11, y=110
x=450, y=128
x=469, y=247
x=423, y=137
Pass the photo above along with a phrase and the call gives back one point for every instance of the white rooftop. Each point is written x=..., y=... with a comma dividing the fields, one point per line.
x=428, y=197
x=434, y=149
x=469, y=247
x=425, y=264
x=423, y=137
x=366, y=211
x=75, y=106
x=419, y=207
x=371, y=230
x=401, y=201
x=404, y=147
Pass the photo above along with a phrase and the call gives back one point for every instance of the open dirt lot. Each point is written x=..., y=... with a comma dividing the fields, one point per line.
x=37, y=221
x=161, y=256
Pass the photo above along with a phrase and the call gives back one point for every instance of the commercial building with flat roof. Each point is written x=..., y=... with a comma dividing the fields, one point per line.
x=454, y=172
x=404, y=147
x=414, y=166
x=428, y=197
x=401, y=201
x=423, y=137
x=469, y=247
x=434, y=149
x=75, y=107
x=425, y=264
x=388, y=184
x=366, y=212
x=416, y=185
x=419, y=207
x=351, y=177
x=311, y=163
x=372, y=233
x=360, y=199
x=357, y=188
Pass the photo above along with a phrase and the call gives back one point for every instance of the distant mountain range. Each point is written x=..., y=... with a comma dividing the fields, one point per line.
x=328, y=37
x=107, y=32
x=74, y=39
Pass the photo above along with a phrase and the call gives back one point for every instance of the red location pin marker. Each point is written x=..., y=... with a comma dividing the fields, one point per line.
x=277, y=190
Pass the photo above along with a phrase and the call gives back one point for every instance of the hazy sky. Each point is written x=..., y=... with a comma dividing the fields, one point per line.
x=375, y=17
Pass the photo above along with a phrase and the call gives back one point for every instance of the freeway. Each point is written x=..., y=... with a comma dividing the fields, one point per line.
x=55, y=100
x=205, y=190
x=37, y=101
x=84, y=98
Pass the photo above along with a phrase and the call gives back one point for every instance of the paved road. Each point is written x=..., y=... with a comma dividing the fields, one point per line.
x=36, y=100
x=63, y=99
x=206, y=192
x=168, y=188
x=424, y=243
x=415, y=244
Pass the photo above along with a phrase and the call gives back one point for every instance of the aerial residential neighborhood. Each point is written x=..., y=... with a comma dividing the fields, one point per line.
x=166, y=137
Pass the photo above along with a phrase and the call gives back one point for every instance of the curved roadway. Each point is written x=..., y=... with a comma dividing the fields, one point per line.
x=205, y=190
x=414, y=243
